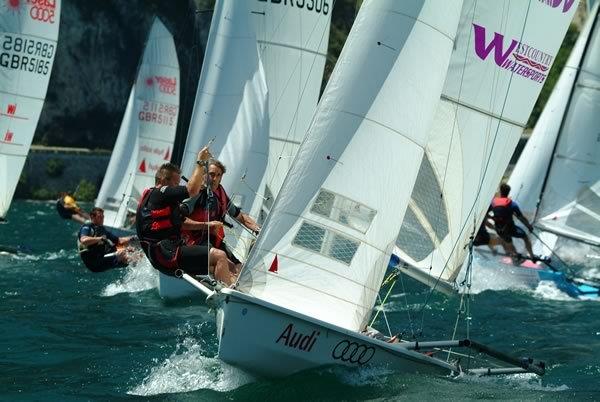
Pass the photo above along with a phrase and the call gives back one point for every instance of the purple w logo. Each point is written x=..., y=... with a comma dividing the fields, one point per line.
x=497, y=44
x=555, y=3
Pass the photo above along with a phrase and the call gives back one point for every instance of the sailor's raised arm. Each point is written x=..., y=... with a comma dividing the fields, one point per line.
x=196, y=181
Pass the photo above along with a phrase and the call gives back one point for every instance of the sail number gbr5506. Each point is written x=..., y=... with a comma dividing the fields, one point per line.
x=320, y=6
x=26, y=54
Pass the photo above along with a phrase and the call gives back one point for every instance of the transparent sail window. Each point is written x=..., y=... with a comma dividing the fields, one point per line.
x=427, y=196
x=268, y=201
x=413, y=239
x=326, y=242
x=343, y=210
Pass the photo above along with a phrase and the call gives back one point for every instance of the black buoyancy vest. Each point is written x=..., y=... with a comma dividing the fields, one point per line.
x=96, y=251
x=156, y=224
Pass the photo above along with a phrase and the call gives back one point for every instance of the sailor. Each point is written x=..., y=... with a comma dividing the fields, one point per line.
x=485, y=238
x=67, y=208
x=162, y=214
x=212, y=213
x=503, y=209
x=98, y=247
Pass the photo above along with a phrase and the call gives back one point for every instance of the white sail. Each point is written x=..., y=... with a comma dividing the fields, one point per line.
x=118, y=179
x=293, y=48
x=148, y=128
x=325, y=245
x=570, y=199
x=503, y=53
x=527, y=177
x=29, y=34
x=231, y=104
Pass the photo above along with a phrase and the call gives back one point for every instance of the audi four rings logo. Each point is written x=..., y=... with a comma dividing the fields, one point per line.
x=353, y=352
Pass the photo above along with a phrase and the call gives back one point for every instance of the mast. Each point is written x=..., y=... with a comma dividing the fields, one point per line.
x=568, y=106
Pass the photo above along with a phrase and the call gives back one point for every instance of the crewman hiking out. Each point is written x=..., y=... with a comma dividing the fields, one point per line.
x=503, y=209
x=161, y=215
x=67, y=208
x=98, y=247
x=211, y=211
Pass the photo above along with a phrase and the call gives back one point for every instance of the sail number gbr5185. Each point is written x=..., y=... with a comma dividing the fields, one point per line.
x=26, y=54
x=320, y=6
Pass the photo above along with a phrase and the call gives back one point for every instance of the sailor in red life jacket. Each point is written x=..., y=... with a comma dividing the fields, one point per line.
x=503, y=209
x=212, y=213
x=161, y=216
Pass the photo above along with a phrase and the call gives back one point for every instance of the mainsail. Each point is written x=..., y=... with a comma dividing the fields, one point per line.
x=262, y=72
x=148, y=128
x=557, y=177
x=293, y=49
x=231, y=103
x=324, y=248
x=29, y=34
x=503, y=53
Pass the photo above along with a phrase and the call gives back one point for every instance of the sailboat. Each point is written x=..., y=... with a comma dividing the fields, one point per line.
x=29, y=40
x=147, y=132
x=307, y=291
x=258, y=91
x=556, y=180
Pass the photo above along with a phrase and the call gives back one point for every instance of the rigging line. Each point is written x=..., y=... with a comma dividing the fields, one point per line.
x=478, y=192
x=570, y=270
x=393, y=277
x=294, y=119
x=181, y=139
x=454, y=127
x=564, y=117
x=410, y=319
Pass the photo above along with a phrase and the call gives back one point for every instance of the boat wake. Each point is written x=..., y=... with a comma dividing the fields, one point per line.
x=188, y=369
x=547, y=290
x=137, y=278
x=525, y=381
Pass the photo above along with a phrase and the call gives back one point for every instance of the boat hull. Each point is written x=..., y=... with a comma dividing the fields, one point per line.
x=170, y=287
x=500, y=272
x=271, y=341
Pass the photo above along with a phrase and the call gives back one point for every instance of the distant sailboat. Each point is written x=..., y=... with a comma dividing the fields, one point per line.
x=556, y=180
x=311, y=281
x=29, y=39
x=257, y=93
x=484, y=107
x=147, y=132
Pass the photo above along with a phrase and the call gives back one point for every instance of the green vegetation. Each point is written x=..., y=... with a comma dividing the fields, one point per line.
x=55, y=167
x=42, y=194
x=86, y=191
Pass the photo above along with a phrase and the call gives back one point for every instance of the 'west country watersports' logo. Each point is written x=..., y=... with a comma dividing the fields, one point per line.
x=520, y=58
x=555, y=3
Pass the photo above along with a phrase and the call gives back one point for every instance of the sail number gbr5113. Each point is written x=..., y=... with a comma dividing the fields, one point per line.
x=320, y=6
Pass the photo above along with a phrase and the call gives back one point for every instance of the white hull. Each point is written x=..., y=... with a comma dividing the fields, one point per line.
x=272, y=341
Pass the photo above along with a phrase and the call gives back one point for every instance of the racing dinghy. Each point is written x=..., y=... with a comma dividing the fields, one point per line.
x=257, y=93
x=305, y=297
x=147, y=132
x=556, y=180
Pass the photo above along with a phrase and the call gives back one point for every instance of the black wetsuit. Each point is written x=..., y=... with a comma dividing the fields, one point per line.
x=101, y=256
x=63, y=211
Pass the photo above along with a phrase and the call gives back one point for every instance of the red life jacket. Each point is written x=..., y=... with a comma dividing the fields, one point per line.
x=502, y=211
x=200, y=214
